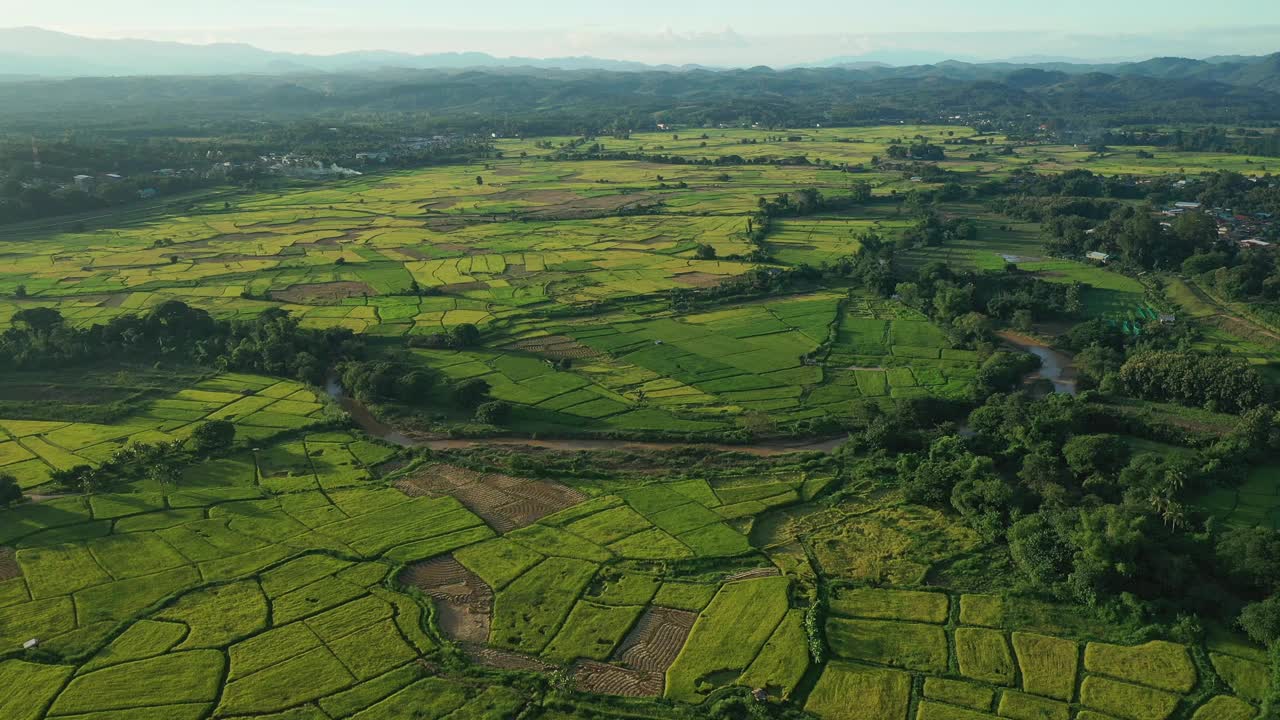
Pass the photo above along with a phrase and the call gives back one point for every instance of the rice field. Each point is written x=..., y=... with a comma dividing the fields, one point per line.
x=263, y=584
x=286, y=579
x=567, y=267
x=260, y=408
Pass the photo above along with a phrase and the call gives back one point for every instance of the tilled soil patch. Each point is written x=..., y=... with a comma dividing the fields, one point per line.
x=8, y=565
x=504, y=659
x=655, y=641
x=556, y=347
x=603, y=679
x=753, y=574
x=698, y=279
x=504, y=502
x=311, y=293
x=464, y=602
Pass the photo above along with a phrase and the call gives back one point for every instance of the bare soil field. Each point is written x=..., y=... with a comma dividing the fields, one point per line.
x=464, y=602
x=8, y=565
x=753, y=574
x=504, y=502
x=655, y=641
x=504, y=659
x=321, y=292
x=605, y=679
x=698, y=279
x=556, y=347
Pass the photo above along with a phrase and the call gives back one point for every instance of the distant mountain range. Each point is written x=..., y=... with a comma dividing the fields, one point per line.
x=28, y=52
x=32, y=51
x=51, y=79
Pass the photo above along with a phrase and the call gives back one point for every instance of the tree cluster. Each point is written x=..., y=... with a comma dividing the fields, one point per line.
x=271, y=343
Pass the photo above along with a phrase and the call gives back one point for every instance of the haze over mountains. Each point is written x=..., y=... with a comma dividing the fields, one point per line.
x=30, y=52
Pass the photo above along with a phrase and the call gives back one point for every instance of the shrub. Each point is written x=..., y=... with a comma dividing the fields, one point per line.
x=494, y=412
x=470, y=393
x=1261, y=620
x=10, y=492
x=214, y=435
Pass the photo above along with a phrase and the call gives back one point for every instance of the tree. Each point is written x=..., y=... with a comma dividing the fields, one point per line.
x=1096, y=459
x=413, y=386
x=20, y=292
x=1251, y=557
x=39, y=320
x=165, y=474
x=983, y=499
x=10, y=491
x=1039, y=550
x=705, y=252
x=494, y=412
x=470, y=393
x=214, y=435
x=82, y=478
x=479, y=180
x=1261, y=621
x=464, y=335
x=1022, y=320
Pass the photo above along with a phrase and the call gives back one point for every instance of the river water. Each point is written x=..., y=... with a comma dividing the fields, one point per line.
x=1056, y=367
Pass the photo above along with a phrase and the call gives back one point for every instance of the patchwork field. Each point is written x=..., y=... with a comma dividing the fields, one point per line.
x=575, y=261
x=289, y=580
x=260, y=407
x=312, y=573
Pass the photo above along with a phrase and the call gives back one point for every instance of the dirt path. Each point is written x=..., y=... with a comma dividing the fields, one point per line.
x=1226, y=316
x=572, y=445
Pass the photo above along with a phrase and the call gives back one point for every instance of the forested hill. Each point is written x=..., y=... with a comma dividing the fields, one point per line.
x=543, y=100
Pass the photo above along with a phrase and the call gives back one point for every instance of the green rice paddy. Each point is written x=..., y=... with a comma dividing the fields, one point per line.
x=267, y=583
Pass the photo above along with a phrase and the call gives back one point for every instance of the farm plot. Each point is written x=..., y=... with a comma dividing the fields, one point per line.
x=719, y=648
x=505, y=502
x=288, y=634
x=38, y=448
x=464, y=602
x=883, y=348
x=118, y=555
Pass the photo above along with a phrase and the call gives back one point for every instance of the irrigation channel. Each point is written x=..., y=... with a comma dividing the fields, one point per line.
x=1056, y=367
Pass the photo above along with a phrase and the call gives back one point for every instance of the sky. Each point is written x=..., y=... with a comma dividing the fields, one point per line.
x=732, y=32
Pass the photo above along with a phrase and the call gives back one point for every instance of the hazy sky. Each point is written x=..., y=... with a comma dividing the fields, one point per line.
x=726, y=31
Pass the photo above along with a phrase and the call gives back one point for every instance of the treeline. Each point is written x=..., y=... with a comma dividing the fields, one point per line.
x=1136, y=236
x=1084, y=516
x=271, y=343
x=596, y=151
x=1160, y=363
x=922, y=150
x=968, y=304
x=1237, y=274
x=1244, y=141
x=156, y=164
x=1213, y=382
x=26, y=200
x=401, y=379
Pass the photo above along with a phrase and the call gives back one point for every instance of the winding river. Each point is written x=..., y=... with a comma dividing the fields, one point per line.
x=1056, y=367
